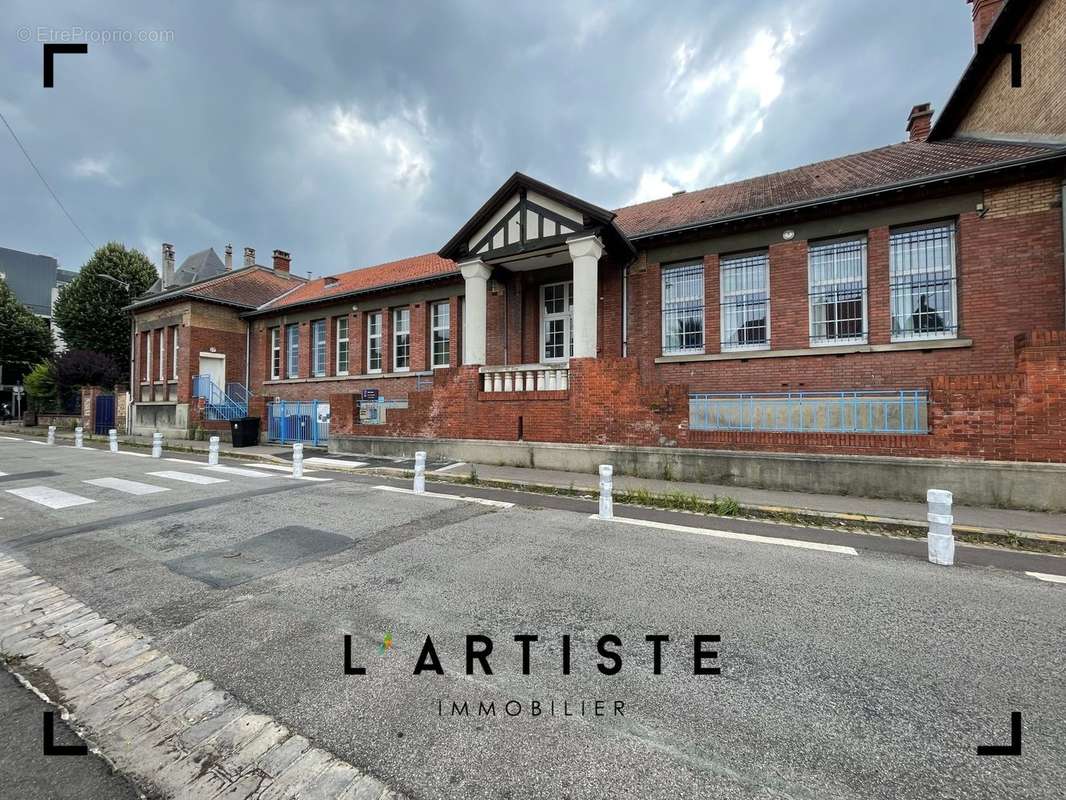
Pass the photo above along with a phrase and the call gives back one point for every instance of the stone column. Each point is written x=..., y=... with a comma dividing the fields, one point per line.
x=475, y=320
x=585, y=252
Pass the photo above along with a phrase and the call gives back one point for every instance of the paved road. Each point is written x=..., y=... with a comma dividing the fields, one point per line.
x=28, y=774
x=866, y=675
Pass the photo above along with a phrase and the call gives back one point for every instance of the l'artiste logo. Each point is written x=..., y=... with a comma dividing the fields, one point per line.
x=479, y=648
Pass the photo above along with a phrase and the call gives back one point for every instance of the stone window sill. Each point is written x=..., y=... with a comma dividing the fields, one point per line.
x=741, y=355
x=365, y=377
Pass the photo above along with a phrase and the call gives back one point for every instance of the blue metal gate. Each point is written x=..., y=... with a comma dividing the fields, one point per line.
x=104, y=413
x=298, y=421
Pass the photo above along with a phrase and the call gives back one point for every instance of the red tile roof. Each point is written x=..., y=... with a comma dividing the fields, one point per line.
x=883, y=167
x=247, y=288
x=381, y=276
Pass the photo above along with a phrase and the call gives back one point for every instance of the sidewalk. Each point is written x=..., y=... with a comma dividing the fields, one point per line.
x=833, y=507
x=855, y=508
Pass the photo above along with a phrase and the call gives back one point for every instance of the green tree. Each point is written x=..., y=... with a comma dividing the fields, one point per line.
x=42, y=387
x=89, y=309
x=25, y=339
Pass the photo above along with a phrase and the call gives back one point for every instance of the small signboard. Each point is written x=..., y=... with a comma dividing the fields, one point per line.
x=371, y=395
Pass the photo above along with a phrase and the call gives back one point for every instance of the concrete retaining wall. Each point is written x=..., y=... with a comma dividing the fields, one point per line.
x=1002, y=484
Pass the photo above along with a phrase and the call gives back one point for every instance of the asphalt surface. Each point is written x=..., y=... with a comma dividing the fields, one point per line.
x=873, y=675
x=28, y=774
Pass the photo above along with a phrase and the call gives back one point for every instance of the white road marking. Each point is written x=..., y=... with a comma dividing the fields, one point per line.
x=2, y=474
x=451, y=466
x=278, y=467
x=34, y=441
x=52, y=498
x=439, y=496
x=185, y=461
x=129, y=487
x=743, y=537
x=335, y=463
x=186, y=477
x=1045, y=576
x=131, y=453
x=247, y=473
x=11, y=438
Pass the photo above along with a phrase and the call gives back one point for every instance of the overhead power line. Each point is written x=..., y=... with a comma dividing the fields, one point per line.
x=46, y=186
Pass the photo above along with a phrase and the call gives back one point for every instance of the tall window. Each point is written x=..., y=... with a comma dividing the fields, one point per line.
x=318, y=348
x=148, y=357
x=275, y=353
x=162, y=354
x=922, y=277
x=745, y=314
x=837, y=276
x=174, y=352
x=292, y=367
x=682, y=308
x=441, y=330
x=401, y=339
x=373, y=341
x=557, y=321
x=341, y=358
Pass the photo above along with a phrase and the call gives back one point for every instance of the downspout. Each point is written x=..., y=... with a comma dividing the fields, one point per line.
x=247, y=353
x=1062, y=198
x=625, y=311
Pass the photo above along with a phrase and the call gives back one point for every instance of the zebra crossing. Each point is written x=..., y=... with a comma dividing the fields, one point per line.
x=154, y=482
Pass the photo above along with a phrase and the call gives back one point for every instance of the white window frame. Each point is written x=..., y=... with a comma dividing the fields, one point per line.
x=397, y=332
x=174, y=351
x=346, y=341
x=436, y=328
x=318, y=348
x=864, y=293
x=148, y=358
x=275, y=353
x=566, y=315
x=726, y=299
x=895, y=234
x=681, y=306
x=162, y=355
x=290, y=351
x=373, y=340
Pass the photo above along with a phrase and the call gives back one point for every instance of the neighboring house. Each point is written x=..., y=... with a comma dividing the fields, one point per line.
x=903, y=301
x=188, y=324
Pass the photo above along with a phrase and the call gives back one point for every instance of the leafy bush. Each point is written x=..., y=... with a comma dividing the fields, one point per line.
x=77, y=368
x=42, y=387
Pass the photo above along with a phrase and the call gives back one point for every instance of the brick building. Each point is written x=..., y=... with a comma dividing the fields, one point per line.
x=904, y=301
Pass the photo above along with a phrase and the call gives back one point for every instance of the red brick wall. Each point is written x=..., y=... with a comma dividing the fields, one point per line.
x=1020, y=415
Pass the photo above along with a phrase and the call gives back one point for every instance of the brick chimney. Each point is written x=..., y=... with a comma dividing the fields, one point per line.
x=168, y=265
x=249, y=256
x=229, y=256
x=281, y=261
x=984, y=14
x=920, y=121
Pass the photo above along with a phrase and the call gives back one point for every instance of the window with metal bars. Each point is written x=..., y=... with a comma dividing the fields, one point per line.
x=837, y=291
x=401, y=339
x=745, y=303
x=922, y=281
x=682, y=309
x=318, y=348
x=373, y=341
x=292, y=367
x=440, y=325
x=275, y=353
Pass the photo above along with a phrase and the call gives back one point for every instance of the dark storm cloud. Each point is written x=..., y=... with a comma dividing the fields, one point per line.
x=352, y=133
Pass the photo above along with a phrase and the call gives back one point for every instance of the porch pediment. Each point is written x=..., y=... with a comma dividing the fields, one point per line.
x=526, y=215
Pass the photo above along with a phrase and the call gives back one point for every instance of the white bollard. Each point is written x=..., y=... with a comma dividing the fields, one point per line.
x=298, y=460
x=79, y=437
x=112, y=440
x=941, y=539
x=212, y=451
x=420, y=472
x=51, y=434
x=606, y=490
x=157, y=445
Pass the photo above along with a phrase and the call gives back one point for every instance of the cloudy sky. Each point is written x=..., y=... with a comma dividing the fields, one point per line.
x=353, y=132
